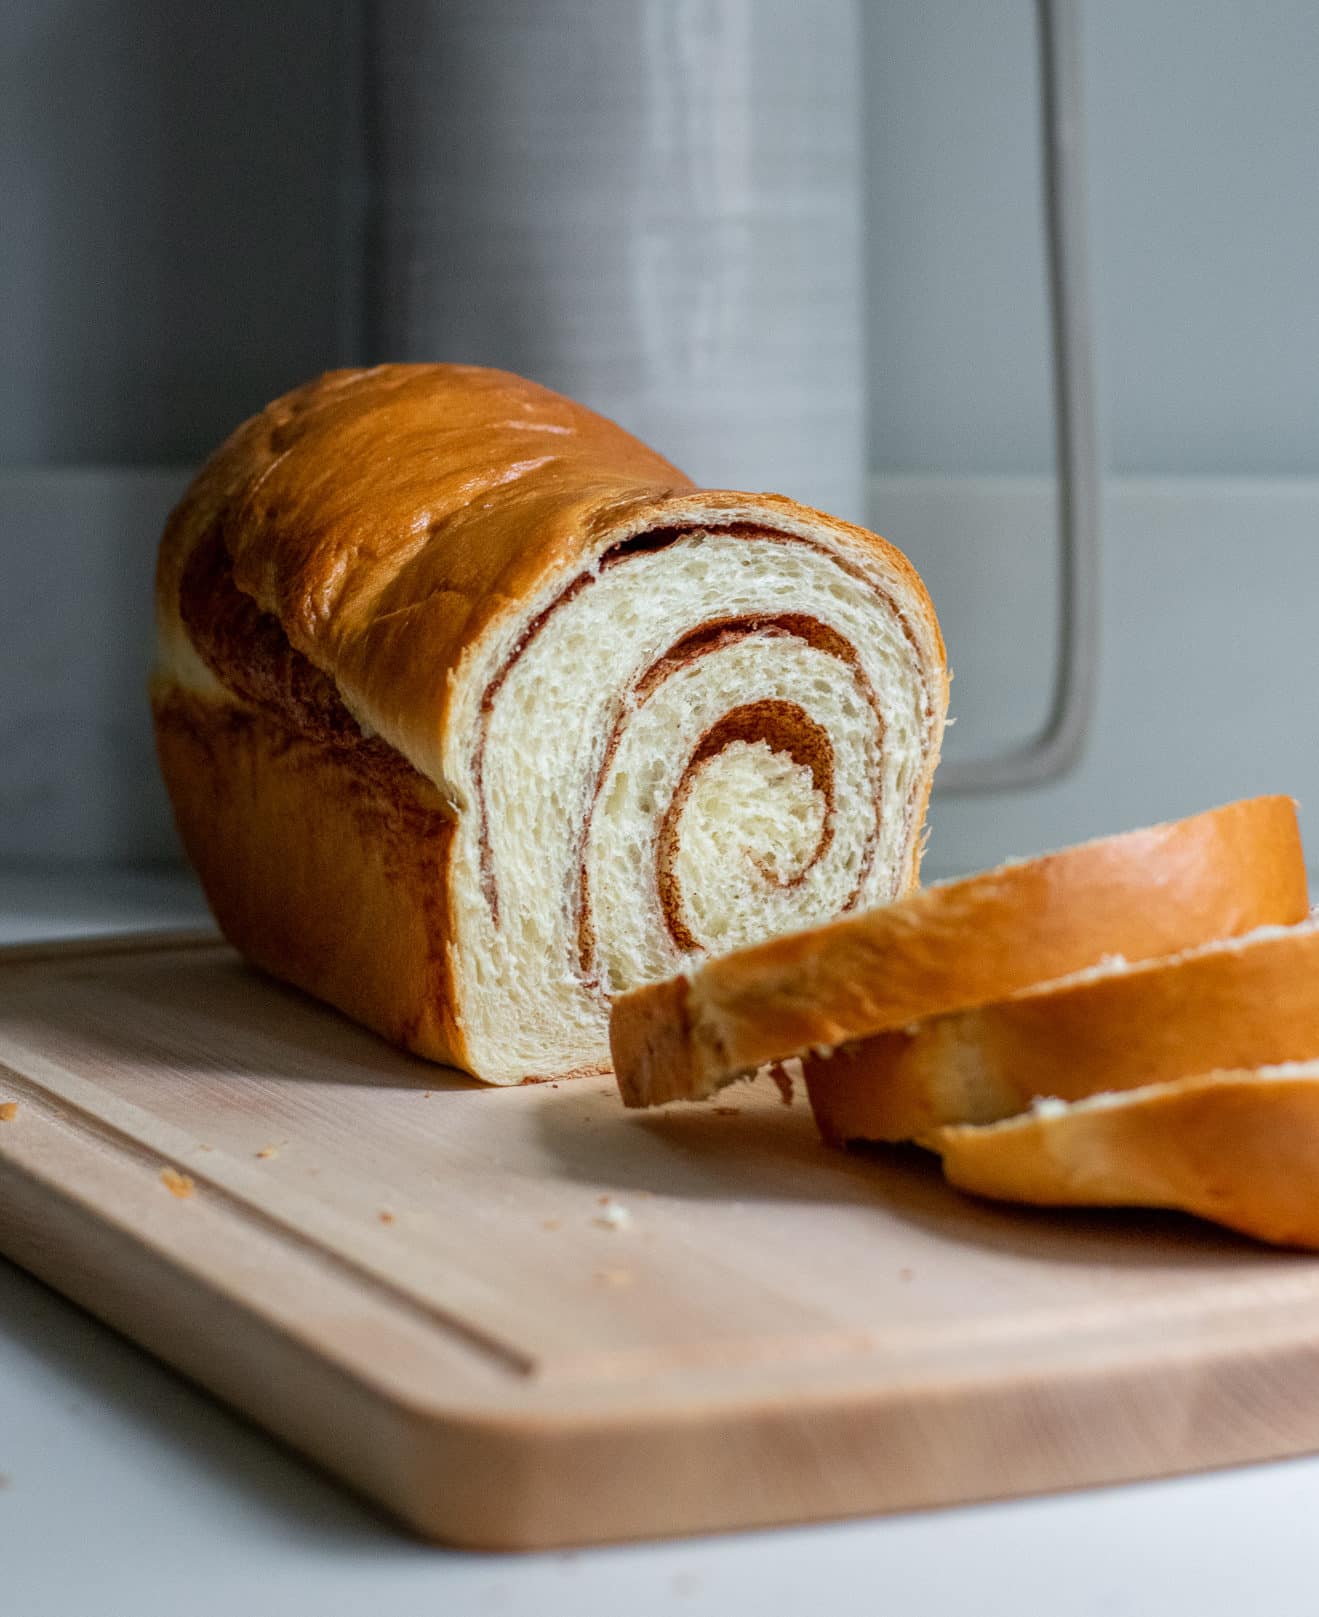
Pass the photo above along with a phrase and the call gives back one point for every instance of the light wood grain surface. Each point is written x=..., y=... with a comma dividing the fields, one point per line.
x=525, y=1317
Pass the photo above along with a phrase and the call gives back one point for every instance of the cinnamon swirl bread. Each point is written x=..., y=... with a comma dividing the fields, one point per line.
x=475, y=712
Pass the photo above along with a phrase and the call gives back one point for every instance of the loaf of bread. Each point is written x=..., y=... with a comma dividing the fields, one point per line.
x=1236, y=1003
x=475, y=712
x=1241, y=1148
x=958, y=944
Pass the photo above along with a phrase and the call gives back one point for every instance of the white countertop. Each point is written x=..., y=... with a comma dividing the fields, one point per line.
x=125, y=1490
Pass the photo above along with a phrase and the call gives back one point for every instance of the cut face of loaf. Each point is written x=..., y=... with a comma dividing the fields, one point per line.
x=1146, y=893
x=475, y=713
x=1238, y=1003
x=1239, y=1147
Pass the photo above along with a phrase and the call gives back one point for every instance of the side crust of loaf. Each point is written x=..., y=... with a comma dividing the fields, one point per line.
x=1238, y=1003
x=1142, y=894
x=328, y=875
x=1238, y=1147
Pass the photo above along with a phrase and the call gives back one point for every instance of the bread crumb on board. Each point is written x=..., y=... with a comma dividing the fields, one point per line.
x=8, y=1111
x=178, y=1184
x=618, y=1278
x=611, y=1216
x=266, y=1152
x=385, y=1216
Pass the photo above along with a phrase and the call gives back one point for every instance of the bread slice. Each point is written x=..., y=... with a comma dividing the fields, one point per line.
x=475, y=712
x=1236, y=1003
x=1239, y=1147
x=965, y=943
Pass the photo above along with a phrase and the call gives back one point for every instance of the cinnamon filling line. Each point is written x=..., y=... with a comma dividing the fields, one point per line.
x=785, y=727
x=248, y=652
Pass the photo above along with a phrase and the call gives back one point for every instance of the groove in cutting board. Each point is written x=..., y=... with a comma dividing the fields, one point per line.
x=420, y=1286
x=135, y=1148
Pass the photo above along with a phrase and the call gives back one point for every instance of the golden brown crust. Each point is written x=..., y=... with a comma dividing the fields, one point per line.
x=1142, y=894
x=344, y=891
x=1244, y=1004
x=1240, y=1148
x=329, y=501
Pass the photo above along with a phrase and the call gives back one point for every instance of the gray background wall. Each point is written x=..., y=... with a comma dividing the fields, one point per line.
x=179, y=241
x=172, y=220
x=178, y=228
x=1202, y=121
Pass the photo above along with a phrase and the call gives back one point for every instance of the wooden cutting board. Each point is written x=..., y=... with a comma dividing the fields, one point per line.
x=527, y=1317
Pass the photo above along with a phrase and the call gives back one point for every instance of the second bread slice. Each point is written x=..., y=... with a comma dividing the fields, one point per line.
x=1236, y=1003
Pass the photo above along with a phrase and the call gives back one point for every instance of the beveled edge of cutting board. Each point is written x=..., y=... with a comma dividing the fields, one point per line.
x=542, y=1466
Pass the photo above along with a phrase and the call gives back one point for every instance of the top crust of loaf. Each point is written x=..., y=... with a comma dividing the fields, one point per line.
x=391, y=519
x=962, y=944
